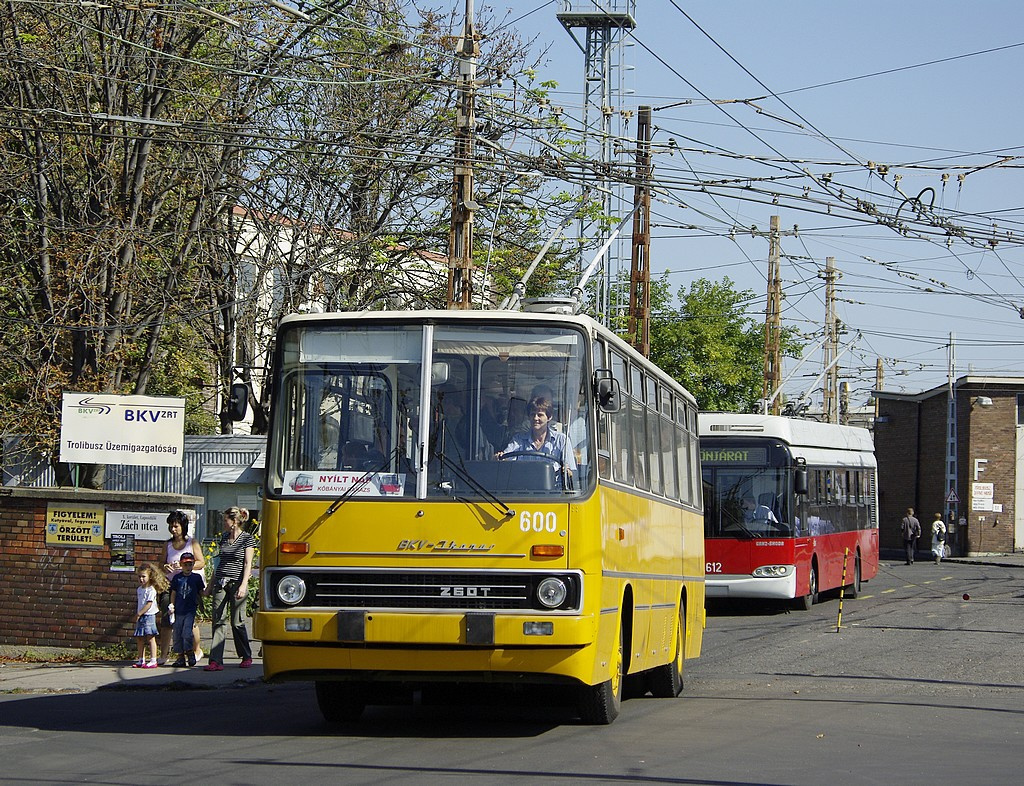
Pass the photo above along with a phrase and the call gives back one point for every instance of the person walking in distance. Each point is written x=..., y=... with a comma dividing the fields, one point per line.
x=911, y=528
x=938, y=538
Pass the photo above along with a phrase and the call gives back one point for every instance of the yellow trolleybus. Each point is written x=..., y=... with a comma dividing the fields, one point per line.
x=415, y=534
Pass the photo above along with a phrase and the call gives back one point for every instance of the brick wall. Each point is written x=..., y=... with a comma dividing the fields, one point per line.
x=931, y=495
x=896, y=450
x=991, y=435
x=68, y=597
x=910, y=445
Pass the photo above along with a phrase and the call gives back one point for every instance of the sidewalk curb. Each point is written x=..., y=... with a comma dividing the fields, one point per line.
x=179, y=685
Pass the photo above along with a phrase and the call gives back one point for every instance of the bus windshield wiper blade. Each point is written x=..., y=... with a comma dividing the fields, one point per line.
x=360, y=482
x=470, y=481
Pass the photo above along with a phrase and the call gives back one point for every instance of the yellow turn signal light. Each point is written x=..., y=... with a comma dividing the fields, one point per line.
x=294, y=547
x=547, y=551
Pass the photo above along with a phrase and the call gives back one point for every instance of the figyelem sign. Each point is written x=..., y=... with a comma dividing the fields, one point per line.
x=144, y=431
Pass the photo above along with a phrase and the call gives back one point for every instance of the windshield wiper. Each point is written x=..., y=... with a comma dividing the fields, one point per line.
x=361, y=481
x=473, y=483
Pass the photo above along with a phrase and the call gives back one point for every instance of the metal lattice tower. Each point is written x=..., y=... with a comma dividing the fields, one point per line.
x=606, y=24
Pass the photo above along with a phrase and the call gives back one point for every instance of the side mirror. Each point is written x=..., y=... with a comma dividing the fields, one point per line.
x=800, y=479
x=607, y=391
x=238, y=401
x=439, y=371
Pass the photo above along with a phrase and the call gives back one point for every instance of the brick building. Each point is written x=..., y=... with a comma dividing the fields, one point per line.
x=911, y=448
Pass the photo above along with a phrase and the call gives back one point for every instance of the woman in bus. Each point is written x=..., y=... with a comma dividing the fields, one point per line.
x=540, y=439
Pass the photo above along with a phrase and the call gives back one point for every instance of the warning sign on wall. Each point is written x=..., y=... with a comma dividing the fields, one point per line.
x=74, y=525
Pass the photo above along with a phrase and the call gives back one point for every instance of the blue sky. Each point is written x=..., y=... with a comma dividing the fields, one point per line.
x=907, y=85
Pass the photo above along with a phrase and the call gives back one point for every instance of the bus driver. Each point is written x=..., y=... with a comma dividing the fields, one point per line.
x=541, y=438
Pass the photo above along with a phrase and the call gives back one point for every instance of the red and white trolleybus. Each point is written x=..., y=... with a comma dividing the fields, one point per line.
x=790, y=505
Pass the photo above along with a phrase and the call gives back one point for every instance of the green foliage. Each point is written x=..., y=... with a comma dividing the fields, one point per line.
x=711, y=344
x=181, y=370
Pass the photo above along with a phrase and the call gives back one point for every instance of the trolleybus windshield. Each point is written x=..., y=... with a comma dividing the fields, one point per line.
x=406, y=412
x=746, y=488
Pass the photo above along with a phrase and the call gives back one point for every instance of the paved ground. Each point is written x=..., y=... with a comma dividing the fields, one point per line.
x=60, y=677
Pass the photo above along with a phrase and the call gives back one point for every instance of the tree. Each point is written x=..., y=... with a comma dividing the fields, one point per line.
x=178, y=177
x=710, y=344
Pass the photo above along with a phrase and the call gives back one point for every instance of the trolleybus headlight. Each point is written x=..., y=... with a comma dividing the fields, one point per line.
x=291, y=590
x=552, y=592
x=772, y=571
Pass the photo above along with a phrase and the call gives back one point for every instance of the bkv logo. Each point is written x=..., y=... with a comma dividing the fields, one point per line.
x=87, y=406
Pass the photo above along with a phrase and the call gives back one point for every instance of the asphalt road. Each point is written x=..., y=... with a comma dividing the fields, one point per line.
x=917, y=686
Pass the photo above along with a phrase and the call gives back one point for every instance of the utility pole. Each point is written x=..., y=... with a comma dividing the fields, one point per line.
x=640, y=271
x=952, y=500
x=879, y=381
x=773, y=323
x=460, y=242
x=830, y=408
x=606, y=24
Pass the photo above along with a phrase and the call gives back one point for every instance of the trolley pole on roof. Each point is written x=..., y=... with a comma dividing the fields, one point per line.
x=640, y=271
x=460, y=244
x=773, y=324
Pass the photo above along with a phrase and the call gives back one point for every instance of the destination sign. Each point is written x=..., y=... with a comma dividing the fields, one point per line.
x=734, y=455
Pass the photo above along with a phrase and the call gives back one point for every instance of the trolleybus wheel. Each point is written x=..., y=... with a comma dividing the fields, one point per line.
x=854, y=589
x=340, y=702
x=599, y=704
x=666, y=682
x=811, y=597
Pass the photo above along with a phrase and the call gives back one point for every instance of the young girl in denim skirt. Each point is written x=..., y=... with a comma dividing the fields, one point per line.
x=151, y=582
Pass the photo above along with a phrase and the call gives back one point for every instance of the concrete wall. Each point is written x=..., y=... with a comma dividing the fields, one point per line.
x=62, y=596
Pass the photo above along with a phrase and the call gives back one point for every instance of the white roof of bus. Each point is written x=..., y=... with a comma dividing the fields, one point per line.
x=807, y=438
x=473, y=315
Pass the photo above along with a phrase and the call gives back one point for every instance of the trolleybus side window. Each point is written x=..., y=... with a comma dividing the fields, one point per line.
x=694, y=466
x=653, y=433
x=604, y=420
x=684, y=441
x=637, y=428
x=668, y=442
x=620, y=442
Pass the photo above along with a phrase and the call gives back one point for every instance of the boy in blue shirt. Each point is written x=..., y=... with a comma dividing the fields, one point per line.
x=186, y=590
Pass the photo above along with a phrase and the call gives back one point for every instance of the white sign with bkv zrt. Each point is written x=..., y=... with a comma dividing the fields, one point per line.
x=144, y=526
x=146, y=431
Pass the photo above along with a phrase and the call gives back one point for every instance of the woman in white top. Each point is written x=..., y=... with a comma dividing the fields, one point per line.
x=938, y=538
x=540, y=440
x=179, y=542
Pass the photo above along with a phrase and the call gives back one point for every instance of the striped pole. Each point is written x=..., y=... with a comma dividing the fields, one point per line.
x=842, y=590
